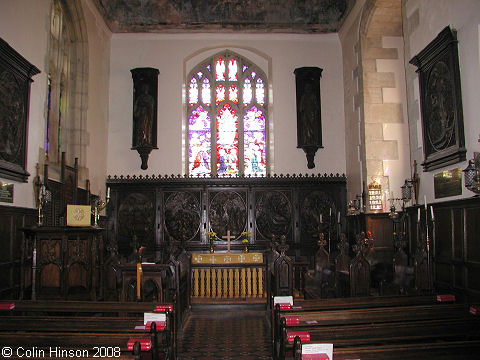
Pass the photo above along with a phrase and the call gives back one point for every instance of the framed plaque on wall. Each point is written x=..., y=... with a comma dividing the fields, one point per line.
x=15, y=78
x=441, y=101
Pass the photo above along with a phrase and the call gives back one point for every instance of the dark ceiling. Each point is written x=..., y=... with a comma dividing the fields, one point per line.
x=260, y=16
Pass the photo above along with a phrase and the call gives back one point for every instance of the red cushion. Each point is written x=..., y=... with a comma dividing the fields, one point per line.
x=162, y=308
x=285, y=306
x=445, y=298
x=304, y=336
x=321, y=356
x=160, y=325
x=7, y=306
x=292, y=320
x=145, y=343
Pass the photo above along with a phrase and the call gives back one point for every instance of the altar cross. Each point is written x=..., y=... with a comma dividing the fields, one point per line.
x=228, y=237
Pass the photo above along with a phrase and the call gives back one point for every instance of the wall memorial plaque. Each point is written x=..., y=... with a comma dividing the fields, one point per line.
x=448, y=183
x=15, y=78
x=6, y=192
x=441, y=102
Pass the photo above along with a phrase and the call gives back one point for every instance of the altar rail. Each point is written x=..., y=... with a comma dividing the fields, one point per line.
x=214, y=282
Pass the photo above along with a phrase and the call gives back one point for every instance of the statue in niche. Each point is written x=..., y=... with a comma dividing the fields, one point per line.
x=309, y=121
x=145, y=89
x=309, y=113
x=143, y=116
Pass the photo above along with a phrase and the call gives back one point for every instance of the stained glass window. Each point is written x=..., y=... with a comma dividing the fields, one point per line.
x=254, y=142
x=206, y=94
x=193, y=92
x=227, y=137
x=199, y=142
x=66, y=86
x=233, y=94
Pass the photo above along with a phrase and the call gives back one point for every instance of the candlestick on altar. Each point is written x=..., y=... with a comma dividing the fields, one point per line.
x=139, y=280
x=228, y=237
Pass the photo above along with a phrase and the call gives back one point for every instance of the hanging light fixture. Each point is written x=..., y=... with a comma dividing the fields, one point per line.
x=472, y=176
x=407, y=190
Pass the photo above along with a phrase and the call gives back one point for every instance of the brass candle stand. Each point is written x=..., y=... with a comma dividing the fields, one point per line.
x=98, y=205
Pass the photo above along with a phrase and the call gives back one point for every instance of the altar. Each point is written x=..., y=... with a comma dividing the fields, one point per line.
x=228, y=277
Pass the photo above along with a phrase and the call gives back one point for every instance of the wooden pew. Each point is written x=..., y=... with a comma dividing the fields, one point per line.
x=446, y=350
x=96, y=318
x=85, y=307
x=88, y=344
x=353, y=320
x=346, y=303
x=89, y=335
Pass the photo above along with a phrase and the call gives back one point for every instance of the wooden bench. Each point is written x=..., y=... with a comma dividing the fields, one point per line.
x=98, y=320
x=346, y=303
x=88, y=344
x=109, y=308
x=446, y=350
x=389, y=321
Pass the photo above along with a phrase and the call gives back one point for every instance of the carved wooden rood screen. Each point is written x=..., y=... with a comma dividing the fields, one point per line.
x=173, y=214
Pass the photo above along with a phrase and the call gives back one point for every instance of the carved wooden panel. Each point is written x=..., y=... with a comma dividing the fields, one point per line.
x=136, y=222
x=318, y=214
x=66, y=262
x=182, y=209
x=273, y=214
x=441, y=101
x=228, y=211
x=182, y=215
x=15, y=79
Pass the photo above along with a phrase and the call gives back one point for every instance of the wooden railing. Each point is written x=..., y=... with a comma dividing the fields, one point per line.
x=228, y=282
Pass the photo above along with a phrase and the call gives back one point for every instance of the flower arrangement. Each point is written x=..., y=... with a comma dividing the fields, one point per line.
x=246, y=237
x=212, y=236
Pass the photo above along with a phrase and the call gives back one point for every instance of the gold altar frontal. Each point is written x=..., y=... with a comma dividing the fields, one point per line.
x=228, y=278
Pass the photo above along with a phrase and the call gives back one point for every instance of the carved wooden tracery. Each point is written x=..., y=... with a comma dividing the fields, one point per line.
x=228, y=212
x=182, y=216
x=177, y=212
x=273, y=213
x=318, y=214
x=136, y=222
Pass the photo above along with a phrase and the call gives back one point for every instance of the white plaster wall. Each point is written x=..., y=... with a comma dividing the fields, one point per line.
x=24, y=25
x=98, y=84
x=168, y=52
x=435, y=15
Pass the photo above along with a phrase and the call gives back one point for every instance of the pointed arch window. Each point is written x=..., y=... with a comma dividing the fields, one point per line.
x=227, y=117
x=66, y=87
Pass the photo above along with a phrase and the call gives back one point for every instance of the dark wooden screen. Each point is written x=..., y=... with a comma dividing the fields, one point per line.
x=153, y=212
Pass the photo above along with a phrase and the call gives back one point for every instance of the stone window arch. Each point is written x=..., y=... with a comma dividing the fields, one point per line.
x=65, y=129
